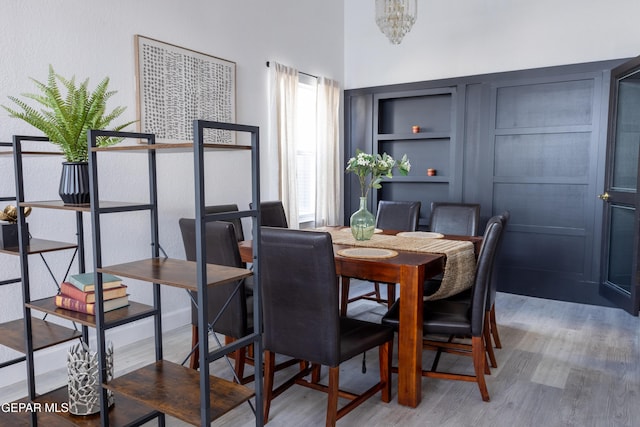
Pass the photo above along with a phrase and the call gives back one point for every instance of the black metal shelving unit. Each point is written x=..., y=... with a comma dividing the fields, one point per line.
x=45, y=334
x=213, y=396
x=38, y=333
x=5, y=282
x=139, y=393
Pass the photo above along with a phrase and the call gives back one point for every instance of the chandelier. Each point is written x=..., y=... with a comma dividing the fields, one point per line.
x=396, y=17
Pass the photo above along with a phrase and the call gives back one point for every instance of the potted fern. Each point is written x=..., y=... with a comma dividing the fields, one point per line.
x=65, y=119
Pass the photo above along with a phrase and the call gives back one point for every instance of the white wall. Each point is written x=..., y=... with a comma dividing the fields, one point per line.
x=468, y=37
x=91, y=38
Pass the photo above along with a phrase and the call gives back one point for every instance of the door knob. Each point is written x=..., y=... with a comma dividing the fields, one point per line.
x=604, y=196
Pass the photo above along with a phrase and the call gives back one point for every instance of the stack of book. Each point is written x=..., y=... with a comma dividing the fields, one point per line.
x=78, y=293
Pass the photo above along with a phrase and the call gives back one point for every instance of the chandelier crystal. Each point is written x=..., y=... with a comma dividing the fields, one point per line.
x=396, y=17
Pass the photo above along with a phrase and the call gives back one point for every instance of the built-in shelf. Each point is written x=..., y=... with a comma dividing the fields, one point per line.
x=407, y=136
x=175, y=272
x=161, y=384
x=388, y=120
x=44, y=334
x=118, y=316
x=406, y=179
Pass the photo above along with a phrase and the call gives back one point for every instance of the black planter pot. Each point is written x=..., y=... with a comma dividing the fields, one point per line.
x=74, y=183
x=9, y=235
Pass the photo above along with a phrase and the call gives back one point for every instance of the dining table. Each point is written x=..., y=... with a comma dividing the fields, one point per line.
x=409, y=269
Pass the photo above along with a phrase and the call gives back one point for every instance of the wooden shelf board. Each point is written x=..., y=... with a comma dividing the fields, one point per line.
x=45, y=334
x=48, y=305
x=408, y=179
x=162, y=146
x=33, y=153
x=175, y=272
x=407, y=136
x=175, y=390
x=37, y=246
x=23, y=419
x=59, y=204
x=124, y=412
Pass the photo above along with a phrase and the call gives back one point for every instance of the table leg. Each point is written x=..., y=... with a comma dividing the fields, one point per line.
x=410, y=336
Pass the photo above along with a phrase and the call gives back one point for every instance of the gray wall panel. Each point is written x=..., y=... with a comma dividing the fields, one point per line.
x=543, y=155
x=554, y=206
x=548, y=104
x=553, y=253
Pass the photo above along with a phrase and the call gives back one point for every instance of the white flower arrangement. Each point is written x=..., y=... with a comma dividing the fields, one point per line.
x=372, y=168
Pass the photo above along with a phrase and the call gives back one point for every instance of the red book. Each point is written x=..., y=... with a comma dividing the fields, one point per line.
x=75, y=305
x=69, y=290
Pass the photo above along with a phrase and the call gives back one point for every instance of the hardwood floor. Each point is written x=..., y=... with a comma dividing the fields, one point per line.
x=562, y=364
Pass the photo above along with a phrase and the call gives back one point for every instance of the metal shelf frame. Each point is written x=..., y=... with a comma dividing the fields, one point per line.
x=198, y=147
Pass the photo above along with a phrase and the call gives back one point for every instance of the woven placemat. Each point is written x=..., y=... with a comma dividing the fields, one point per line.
x=373, y=253
x=421, y=234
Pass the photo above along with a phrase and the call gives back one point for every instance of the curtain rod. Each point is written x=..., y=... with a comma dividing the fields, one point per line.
x=301, y=72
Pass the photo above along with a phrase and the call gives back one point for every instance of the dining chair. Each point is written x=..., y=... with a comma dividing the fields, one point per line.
x=460, y=219
x=272, y=214
x=237, y=223
x=301, y=319
x=455, y=218
x=237, y=226
x=490, y=324
x=454, y=319
x=236, y=321
x=391, y=215
x=491, y=298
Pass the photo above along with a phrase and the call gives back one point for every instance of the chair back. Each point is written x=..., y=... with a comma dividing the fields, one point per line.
x=484, y=268
x=455, y=218
x=272, y=214
x=400, y=216
x=493, y=286
x=222, y=249
x=300, y=295
x=237, y=223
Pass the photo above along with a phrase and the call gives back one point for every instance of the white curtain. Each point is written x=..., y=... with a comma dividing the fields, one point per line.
x=328, y=166
x=284, y=88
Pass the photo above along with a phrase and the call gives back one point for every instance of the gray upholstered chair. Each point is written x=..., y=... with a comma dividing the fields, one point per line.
x=301, y=319
x=391, y=215
x=453, y=319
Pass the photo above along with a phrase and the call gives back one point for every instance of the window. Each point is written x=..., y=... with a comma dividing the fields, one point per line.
x=306, y=149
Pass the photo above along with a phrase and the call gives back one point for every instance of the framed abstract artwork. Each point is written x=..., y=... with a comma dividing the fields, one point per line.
x=176, y=86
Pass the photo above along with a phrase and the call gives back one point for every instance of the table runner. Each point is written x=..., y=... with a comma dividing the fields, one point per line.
x=460, y=265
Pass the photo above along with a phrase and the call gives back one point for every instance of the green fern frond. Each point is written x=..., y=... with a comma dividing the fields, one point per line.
x=66, y=118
